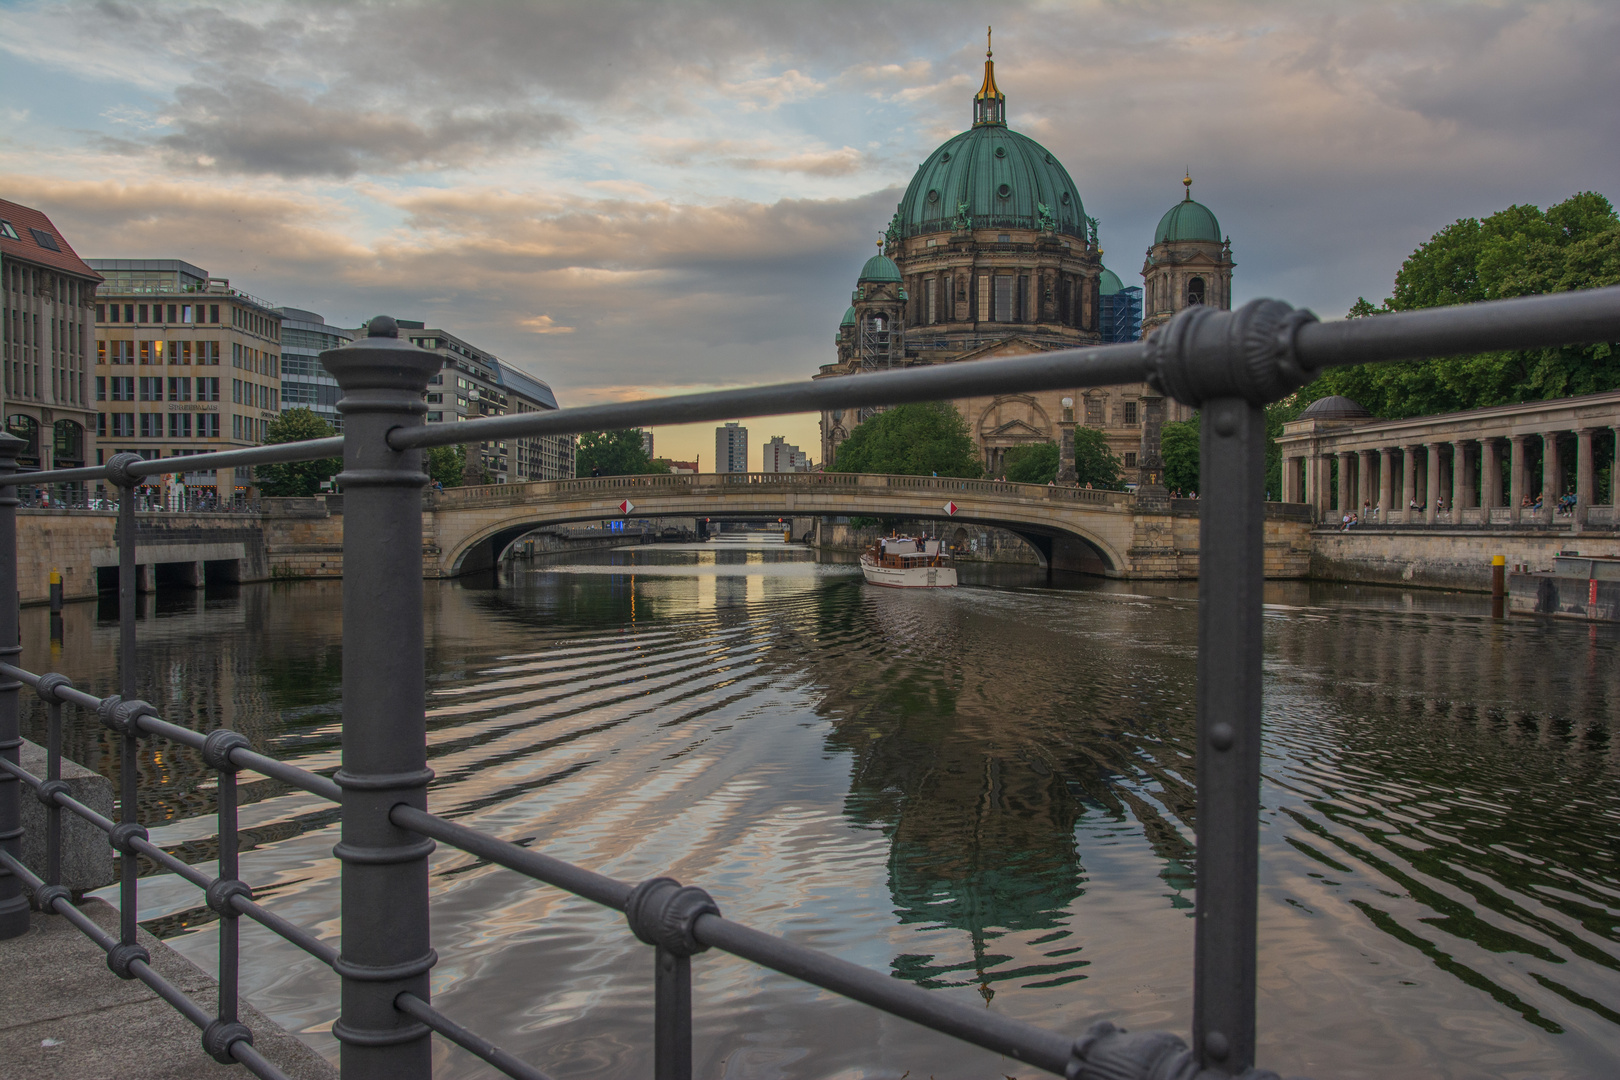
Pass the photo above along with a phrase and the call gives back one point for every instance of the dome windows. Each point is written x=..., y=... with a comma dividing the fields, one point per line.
x=946, y=156
x=933, y=195
x=1004, y=191
x=1064, y=198
x=1001, y=151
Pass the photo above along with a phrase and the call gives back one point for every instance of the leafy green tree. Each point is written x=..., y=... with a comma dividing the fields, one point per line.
x=296, y=478
x=445, y=464
x=912, y=440
x=614, y=453
x=1520, y=251
x=1094, y=462
x=1179, y=446
x=1035, y=463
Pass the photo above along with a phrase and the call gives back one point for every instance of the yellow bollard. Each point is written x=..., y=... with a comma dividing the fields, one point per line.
x=56, y=590
x=1498, y=585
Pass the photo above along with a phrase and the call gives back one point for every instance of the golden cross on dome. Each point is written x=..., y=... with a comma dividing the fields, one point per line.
x=987, y=31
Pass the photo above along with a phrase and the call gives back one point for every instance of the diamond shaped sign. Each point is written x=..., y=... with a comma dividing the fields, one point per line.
x=950, y=508
x=626, y=506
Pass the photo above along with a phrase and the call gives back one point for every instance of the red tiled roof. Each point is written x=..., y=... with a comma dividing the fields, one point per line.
x=25, y=247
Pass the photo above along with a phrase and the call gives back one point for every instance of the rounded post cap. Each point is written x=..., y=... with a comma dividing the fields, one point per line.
x=1498, y=560
x=382, y=326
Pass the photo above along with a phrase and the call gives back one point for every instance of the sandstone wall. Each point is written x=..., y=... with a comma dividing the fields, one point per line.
x=1441, y=558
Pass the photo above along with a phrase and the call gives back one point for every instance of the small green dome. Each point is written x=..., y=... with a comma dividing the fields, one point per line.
x=1003, y=179
x=849, y=318
x=1188, y=220
x=1109, y=282
x=878, y=268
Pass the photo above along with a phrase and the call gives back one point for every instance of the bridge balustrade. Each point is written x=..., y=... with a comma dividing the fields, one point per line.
x=1228, y=364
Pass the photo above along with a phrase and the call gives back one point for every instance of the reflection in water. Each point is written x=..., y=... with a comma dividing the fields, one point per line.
x=989, y=790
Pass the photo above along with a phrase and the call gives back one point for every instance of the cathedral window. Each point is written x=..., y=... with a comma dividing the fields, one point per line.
x=1130, y=414
x=1004, y=298
x=1023, y=298
x=1195, y=291
x=933, y=300
x=1094, y=411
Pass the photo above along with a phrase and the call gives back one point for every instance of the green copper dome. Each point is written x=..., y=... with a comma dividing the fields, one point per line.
x=878, y=268
x=1187, y=220
x=1108, y=282
x=849, y=318
x=990, y=177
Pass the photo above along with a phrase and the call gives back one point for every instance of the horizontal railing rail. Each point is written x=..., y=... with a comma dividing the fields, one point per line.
x=1227, y=364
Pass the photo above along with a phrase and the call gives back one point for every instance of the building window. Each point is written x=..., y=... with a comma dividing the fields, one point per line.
x=179, y=425
x=435, y=417
x=180, y=389
x=101, y=312
x=142, y=309
x=207, y=389
x=1130, y=413
x=236, y=426
x=123, y=425
x=101, y=390
x=151, y=425
x=208, y=353
x=207, y=425
x=1195, y=291
x=1094, y=411
x=1130, y=460
x=151, y=388
x=123, y=387
x=213, y=313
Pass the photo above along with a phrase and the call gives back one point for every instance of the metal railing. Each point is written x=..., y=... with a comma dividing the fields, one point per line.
x=1228, y=364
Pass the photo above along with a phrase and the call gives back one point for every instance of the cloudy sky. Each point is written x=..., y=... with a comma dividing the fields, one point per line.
x=636, y=198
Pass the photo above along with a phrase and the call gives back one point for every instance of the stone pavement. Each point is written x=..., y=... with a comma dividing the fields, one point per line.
x=64, y=1015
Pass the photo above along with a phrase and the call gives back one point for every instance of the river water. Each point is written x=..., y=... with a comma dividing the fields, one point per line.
x=986, y=790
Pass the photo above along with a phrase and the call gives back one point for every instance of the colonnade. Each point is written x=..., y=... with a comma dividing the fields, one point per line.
x=1483, y=480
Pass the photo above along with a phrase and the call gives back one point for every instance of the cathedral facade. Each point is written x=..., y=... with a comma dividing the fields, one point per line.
x=991, y=254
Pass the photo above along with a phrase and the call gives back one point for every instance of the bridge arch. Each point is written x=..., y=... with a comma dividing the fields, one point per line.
x=1089, y=531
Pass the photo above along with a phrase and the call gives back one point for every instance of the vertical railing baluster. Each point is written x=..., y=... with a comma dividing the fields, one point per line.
x=229, y=925
x=387, y=949
x=53, y=811
x=13, y=904
x=672, y=1016
x=129, y=745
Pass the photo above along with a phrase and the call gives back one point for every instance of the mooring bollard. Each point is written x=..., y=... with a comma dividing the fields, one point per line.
x=56, y=590
x=1498, y=586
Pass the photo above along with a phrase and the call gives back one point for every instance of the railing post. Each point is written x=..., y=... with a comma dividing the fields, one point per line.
x=384, y=907
x=1228, y=364
x=13, y=904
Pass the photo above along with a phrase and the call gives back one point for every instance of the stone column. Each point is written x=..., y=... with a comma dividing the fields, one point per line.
x=1367, y=477
x=1551, y=476
x=1347, y=488
x=1431, y=483
x=1490, y=484
x=1583, y=473
x=1408, y=482
x=1459, y=480
x=1152, y=497
x=1319, y=476
x=1518, y=477
x=1066, y=474
x=1386, y=483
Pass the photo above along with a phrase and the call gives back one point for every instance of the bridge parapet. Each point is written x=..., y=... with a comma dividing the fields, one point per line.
x=495, y=495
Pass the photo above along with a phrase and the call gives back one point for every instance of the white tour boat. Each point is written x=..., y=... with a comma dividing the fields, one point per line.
x=902, y=562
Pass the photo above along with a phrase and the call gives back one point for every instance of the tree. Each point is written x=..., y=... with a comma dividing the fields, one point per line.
x=614, y=453
x=296, y=478
x=445, y=464
x=1519, y=251
x=1094, y=462
x=1178, y=443
x=1035, y=463
x=912, y=440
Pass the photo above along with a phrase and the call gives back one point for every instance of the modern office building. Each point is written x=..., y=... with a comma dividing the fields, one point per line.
x=475, y=383
x=731, y=448
x=185, y=365
x=46, y=335
x=304, y=383
x=782, y=456
x=647, y=442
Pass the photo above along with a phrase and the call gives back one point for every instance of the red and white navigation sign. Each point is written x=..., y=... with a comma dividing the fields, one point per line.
x=950, y=508
x=626, y=506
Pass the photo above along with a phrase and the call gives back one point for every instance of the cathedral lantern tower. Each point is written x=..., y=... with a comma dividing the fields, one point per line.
x=879, y=306
x=1188, y=263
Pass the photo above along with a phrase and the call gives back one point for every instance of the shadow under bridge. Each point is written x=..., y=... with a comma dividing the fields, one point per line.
x=1069, y=528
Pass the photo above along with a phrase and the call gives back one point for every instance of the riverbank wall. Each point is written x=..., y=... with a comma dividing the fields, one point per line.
x=1442, y=558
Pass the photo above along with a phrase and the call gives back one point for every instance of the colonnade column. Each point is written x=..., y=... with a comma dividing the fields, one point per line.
x=1490, y=481
x=1583, y=473
x=1366, y=477
x=1291, y=479
x=1321, y=476
x=1408, y=482
x=1347, y=487
x=1459, y=480
x=1518, y=477
x=1431, y=483
x=1386, y=483
x=1551, y=476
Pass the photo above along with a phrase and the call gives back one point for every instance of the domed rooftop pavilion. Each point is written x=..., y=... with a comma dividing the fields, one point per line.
x=878, y=268
x=1335, y=407
x=1108, y=283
